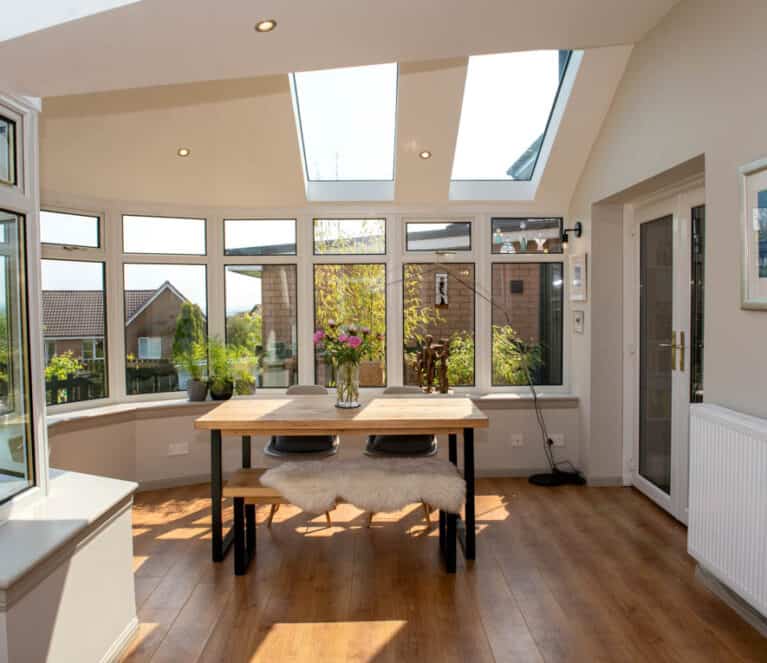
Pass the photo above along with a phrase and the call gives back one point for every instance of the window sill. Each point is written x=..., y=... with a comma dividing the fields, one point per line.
x=34, y=536
x=523, y=401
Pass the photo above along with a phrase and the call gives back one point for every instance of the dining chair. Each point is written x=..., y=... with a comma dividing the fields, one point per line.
x=317, y=446
x=402, y=446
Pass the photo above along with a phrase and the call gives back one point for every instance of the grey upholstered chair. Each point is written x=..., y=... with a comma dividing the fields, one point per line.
x=402, y=445
x=283, y=446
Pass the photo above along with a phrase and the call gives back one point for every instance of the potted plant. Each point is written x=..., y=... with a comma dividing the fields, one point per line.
x=345, y=347
x=230, y=368
x=192, y=360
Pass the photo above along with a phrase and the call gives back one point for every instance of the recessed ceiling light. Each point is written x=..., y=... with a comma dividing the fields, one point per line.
x=425, y=154
x=266, y=26
x=183, y=151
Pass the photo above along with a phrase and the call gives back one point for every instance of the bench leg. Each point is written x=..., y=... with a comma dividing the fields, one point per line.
x=451, y=542
x=442, y=531
x=241, y=557
x=250, y=523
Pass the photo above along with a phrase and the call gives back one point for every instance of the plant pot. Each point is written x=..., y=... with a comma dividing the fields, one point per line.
x=196, y=390
x=221, y=391
x=348, y=385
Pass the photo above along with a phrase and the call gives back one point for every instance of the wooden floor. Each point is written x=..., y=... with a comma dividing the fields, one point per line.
x=567, y=574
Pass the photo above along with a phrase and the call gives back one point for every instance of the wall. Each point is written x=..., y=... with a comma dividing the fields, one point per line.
x=693, y=86
x=133, y=445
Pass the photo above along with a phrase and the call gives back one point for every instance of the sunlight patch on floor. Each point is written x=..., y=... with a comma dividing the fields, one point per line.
x=138, y=561
x=183, y=533
x=330, y=641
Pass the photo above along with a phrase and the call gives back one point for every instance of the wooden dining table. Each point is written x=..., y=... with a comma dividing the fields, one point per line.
x=317, y=415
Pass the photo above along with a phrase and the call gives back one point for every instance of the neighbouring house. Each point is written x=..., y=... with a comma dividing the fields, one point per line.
x=73, y=321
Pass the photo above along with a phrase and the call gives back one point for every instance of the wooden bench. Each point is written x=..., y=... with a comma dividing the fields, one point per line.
x=246, y=491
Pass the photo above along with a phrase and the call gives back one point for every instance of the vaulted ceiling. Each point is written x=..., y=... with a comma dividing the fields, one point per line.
x=160, y=42
x=124, y=89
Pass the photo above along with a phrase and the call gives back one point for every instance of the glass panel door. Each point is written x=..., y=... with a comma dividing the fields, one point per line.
x=656, y=306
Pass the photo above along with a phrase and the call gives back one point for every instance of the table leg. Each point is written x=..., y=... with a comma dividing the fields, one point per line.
x=246, y=452
x=219, y=543
x=453, y=448
x=469, y=548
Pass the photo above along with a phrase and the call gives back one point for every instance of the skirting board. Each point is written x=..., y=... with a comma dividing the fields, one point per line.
x=719, y=589
x=119, y=646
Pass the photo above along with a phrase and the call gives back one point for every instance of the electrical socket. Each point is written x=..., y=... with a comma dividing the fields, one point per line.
x=558, y=439
x=178, y=448
x=517, y=440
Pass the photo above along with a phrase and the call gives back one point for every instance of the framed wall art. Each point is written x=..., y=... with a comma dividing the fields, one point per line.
x=578, y=278
x=754, y=235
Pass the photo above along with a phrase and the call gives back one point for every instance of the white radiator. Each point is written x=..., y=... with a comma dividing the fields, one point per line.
x=727, y=529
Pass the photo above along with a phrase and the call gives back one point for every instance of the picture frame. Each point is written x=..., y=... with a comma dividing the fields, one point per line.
x=754, y=235
x=440, y=290
x=578, y=278
x=578, y=321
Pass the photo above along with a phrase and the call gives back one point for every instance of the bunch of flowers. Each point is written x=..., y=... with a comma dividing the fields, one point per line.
x=345, y=344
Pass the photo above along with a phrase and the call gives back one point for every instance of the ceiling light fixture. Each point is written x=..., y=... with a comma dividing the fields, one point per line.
x=266, y=26
x=425, y=154
x=183, y=151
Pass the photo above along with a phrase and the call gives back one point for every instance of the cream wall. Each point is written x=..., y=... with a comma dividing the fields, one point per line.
x=134, y=445
x=693, y=86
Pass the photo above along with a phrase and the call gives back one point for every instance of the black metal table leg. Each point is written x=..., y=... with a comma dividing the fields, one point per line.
x=452, y=450
x=219, y=543
x=469, y=548
x=246, y=452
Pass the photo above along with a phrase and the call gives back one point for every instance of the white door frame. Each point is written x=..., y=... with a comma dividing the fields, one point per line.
x=677, y=201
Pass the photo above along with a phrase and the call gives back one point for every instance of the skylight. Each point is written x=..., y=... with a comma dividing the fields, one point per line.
x=507, y=101
x=347, y=120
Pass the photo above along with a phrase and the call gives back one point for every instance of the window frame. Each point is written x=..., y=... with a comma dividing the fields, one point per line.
x=204, y=220
x=294, y=265
x=15, y=153
x=48, y=246
x=383, y=253
x=405, y=264
x=259, y=255
x=90, y=257
x=150, y=342
x=406, y=221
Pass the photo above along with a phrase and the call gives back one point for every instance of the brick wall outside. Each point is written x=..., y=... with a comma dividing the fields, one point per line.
x=523, y=309
x=278, y=305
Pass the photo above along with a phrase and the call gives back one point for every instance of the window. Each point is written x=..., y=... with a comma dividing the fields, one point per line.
x=16, y=455
x=349, y=237
x=527, y=235
x=507, y=102
x=260, y=237
x=166, y=306
x=69, y=229
x=352, y=294
x=150, y=234
x=74, y=331
x=438, y=302
x=150, y=347
x=7, y=151
x=527, y=323
x=261, y=318
x=433, y=236
x=346, y=120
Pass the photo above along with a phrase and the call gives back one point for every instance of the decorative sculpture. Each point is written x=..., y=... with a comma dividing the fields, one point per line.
x=431, y=363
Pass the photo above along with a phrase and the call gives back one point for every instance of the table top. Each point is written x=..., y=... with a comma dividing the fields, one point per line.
x=285, y=415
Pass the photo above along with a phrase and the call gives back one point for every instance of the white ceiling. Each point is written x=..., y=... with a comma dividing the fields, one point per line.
x=121, y=146
x=159, y=42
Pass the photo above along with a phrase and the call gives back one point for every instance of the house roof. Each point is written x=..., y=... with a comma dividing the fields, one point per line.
x=73, y=313
x=80, y=313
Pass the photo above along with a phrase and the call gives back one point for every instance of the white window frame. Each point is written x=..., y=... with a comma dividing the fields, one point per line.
x=395, y=257
x=153, y=343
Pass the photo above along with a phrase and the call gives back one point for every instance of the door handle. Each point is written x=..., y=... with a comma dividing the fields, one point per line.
x=673, y=347
x=682, y=348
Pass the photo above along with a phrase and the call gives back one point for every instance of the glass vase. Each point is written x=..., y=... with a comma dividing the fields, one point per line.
x=348, y=385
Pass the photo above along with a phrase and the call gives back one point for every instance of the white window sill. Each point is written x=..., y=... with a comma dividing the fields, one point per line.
x=36, y=531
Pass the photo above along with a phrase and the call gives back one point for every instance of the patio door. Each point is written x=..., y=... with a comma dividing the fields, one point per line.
x=669, y=242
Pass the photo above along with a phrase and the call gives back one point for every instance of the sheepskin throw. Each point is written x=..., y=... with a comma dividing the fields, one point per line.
x=372, y=484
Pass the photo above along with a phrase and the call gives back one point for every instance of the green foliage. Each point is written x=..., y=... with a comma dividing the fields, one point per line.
x=190, y=329
x=353, y=294
x=230, y=363
x=245, y=330
x=62, y=366
x=193, y=361
x=513, y=360
x=460, y=363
